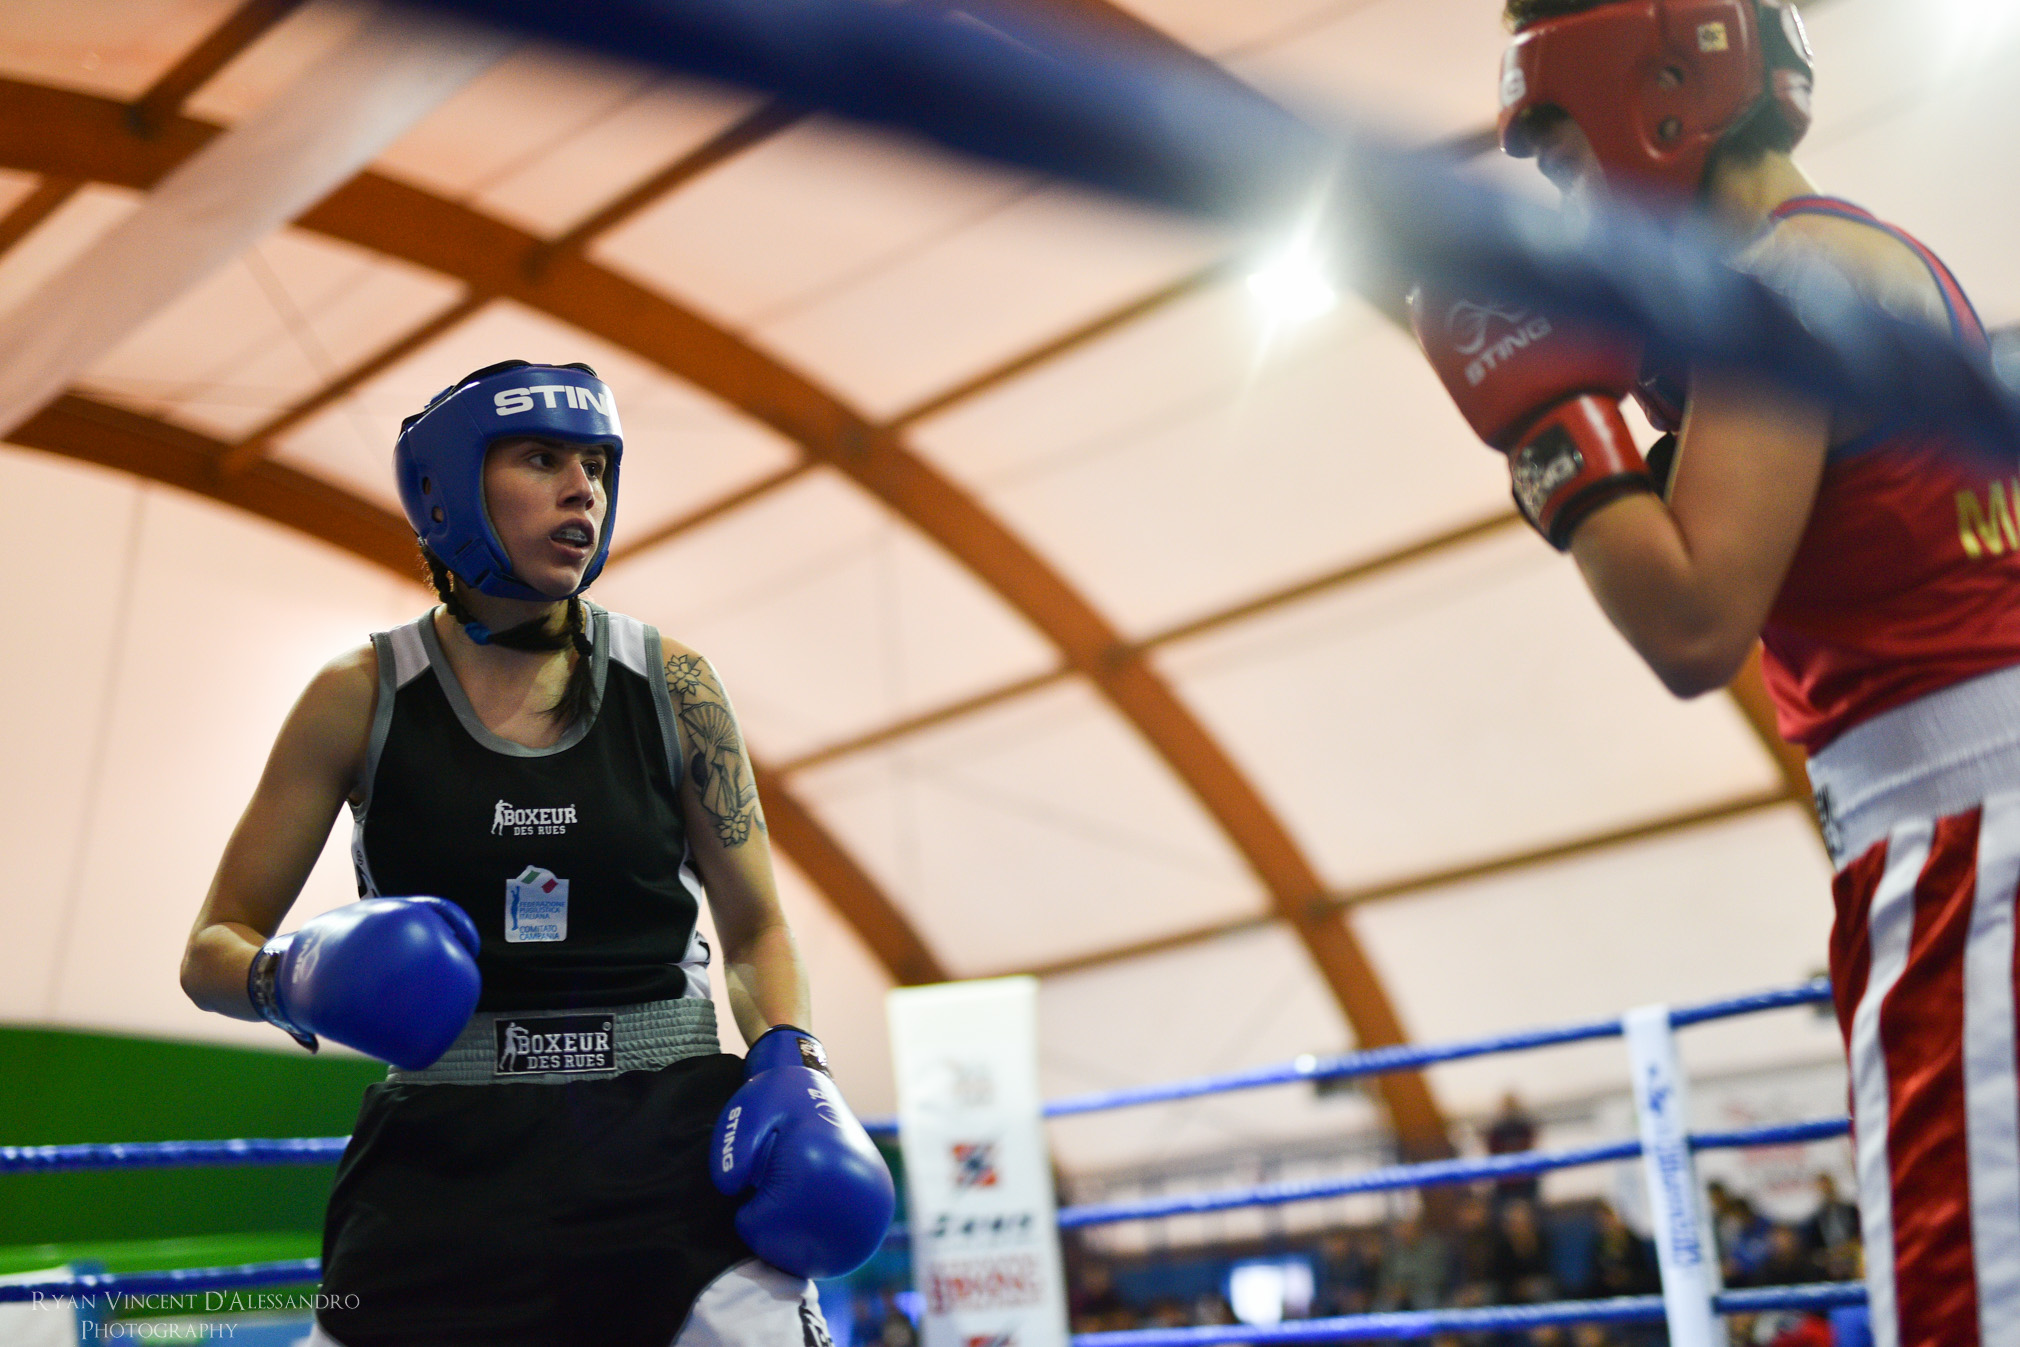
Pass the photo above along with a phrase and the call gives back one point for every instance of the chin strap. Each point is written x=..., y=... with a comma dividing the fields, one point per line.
x=445, y=584
x=574, y=634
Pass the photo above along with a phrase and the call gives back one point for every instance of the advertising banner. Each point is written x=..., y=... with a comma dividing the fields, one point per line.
x=985, y=1243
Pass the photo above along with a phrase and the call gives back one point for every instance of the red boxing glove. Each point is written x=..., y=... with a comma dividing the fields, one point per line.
x=1545, y=393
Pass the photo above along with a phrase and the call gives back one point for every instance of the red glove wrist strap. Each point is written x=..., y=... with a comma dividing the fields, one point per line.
x=1576, y=458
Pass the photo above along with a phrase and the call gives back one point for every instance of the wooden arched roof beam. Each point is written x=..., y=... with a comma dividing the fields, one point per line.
x=1748, y=691
x=91, y=432
x=219, y=47
x=49, y=130
x=768, y=119
x=1355, y=572
x=763, y=122
x=1744, y=804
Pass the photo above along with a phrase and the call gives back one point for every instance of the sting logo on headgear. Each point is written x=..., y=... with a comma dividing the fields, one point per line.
x=1658, y=85
x=512, y=401
x=439, y=461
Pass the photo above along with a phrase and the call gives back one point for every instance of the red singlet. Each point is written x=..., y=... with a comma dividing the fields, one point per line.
x=1907, y=578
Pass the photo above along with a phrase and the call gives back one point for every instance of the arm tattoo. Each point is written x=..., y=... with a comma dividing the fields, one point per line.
x=716, y=761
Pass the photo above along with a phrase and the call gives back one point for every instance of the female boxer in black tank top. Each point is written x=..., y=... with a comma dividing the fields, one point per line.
x=558, y=1204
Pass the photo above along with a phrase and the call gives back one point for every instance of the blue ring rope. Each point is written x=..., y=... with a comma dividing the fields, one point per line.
x=1430, y=1174
x=1376, y=1061
x=1437, y=1173
x=1414, y=1324
x=88, y=1157
x=1783, y=1134
x=1427, y=1323
x=169, y=1154
x=179, y=1281
x=1816, y=991
x=325, y=1150
x=1340, y=1066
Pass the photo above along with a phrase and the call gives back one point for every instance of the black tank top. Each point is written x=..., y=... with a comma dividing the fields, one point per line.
x=572, y=859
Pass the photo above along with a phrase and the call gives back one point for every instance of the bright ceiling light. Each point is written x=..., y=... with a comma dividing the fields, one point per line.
x=1980, y=11
x=1293, y=288
x=1974, y=32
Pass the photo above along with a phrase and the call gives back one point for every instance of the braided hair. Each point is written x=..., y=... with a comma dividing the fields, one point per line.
x=578, y=698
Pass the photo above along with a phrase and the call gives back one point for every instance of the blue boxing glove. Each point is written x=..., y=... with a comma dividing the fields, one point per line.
x=392, y=977
x=823, y=1197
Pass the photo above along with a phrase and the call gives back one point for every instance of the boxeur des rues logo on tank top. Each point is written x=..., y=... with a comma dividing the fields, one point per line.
x=508, y=820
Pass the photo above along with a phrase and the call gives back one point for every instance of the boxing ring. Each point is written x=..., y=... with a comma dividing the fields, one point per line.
x=1189, y=141
x=1664, y=1140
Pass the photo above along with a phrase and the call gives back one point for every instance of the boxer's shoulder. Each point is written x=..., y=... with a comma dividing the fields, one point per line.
x=329, y=729
x=1876, y=258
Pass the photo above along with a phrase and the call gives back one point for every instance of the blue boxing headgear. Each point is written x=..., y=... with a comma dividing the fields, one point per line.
x=439, y=461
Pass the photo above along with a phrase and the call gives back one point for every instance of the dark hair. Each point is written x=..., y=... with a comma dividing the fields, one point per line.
x=1761, y=130
x=1519, y=14
x=578, y=698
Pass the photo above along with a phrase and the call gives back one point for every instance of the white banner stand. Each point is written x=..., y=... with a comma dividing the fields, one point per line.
x=1685, y=1248
x=44, y=1321
x=985, y=1237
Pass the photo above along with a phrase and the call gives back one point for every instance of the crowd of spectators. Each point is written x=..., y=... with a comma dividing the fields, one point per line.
x=1512, y=1252
x=1759, y=1252
x=1491, y=1251
x=1497, y=1245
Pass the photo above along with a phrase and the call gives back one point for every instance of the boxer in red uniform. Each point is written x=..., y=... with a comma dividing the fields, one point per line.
x=1879, y=571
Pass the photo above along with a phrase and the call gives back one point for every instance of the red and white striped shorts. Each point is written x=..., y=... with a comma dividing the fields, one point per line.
x=1923, y=970
x=1921, y=810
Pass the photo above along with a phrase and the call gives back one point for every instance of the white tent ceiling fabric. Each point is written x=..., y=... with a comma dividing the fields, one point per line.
x=1453, y=708
x=141, y=714
x=700, y=451
x=245, y=184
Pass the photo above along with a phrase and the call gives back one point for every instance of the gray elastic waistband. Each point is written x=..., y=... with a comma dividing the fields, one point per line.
x=646, y=1037
x=1937, y=755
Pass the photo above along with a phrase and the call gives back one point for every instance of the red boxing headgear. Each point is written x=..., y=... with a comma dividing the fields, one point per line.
x=1655, y=85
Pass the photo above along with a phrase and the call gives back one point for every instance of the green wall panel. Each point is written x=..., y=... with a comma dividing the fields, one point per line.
x=67, y=1086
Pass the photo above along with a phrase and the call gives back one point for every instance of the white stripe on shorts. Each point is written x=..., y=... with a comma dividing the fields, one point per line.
x=753, y=1304
x=1991, y=1087
x=1890, y=927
